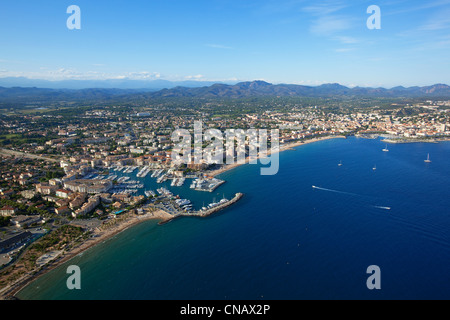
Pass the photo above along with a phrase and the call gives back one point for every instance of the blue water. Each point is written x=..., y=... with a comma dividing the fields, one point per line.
x=287, y=240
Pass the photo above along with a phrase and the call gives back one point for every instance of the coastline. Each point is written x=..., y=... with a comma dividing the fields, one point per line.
x=100, y=236
x=403, y=141
x=285, y=147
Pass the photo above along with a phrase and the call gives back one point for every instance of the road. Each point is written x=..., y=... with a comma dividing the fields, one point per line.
x=26, y=155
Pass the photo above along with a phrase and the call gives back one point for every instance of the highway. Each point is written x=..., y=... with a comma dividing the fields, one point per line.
x=26, y=155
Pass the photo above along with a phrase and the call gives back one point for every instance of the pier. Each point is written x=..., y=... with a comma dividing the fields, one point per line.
x=208, y=212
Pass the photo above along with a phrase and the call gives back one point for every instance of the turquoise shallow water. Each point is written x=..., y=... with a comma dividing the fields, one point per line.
x=287, y=240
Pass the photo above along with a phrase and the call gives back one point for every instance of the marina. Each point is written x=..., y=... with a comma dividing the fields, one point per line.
x=143, y=172
x=208, y=185
x=149, y=193
x=177, y=182
x=206, y=211
x=124, y=183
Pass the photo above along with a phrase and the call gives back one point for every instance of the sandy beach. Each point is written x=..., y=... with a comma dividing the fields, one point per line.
x=97, y=237
x=285, y=147
x=123, y=223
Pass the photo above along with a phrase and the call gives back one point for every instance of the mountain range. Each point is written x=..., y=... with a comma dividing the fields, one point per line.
x=142, y=85
x=261, y=88
x=220, y=90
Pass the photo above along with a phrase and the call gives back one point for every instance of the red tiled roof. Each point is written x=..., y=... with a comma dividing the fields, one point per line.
x=7, y=208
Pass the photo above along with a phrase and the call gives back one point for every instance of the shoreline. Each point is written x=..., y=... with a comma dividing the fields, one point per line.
x=98, y=236
x=101, y=236
x=285, y=147
x=404, y=141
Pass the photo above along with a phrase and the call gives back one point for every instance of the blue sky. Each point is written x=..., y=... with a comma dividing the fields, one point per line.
x=280, y=41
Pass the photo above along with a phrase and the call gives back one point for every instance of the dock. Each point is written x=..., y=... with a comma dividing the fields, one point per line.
x=208, y=212
x=222, y=206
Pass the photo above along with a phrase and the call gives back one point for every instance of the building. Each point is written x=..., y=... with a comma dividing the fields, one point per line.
x=62, y=202
x=25, y=221
x=87, y=207
x=8, y=211
x=7, y=193
x=61, y=193
x=118, y=205
x=77, y=201
x=63, y=210
x=88, y=186
x=46, y=189
x=136, y=151
x=55, y=182
x=15, y=240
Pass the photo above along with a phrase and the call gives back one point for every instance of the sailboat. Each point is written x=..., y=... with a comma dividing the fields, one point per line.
x=386, y=149
x=375, y=168
x=428, y=159
x=340, y=164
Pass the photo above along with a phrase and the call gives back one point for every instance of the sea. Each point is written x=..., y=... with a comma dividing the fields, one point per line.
x=285, y=239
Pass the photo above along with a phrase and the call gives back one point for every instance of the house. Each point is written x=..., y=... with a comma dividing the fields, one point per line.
x=55, y=182
x=117, y=205
x=62, y=202
x=78, y=201
x=63, y=210
x=7, y=193
x=8, y=211
x=45, y=189
x=61, y=193
x=23, y=182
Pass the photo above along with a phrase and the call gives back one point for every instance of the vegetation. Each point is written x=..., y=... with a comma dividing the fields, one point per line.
x=4, y=221
x=58, y=239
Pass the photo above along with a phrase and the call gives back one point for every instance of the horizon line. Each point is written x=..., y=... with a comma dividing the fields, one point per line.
x=213, y=82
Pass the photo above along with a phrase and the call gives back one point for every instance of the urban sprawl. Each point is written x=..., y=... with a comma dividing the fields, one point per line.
x=63, y=167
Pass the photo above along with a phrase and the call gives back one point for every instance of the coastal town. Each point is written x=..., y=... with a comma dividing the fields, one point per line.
x=84, y=170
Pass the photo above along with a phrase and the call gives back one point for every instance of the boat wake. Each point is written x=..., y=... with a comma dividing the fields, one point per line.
x=335, y=191
x=365, y=203
x=383, y=208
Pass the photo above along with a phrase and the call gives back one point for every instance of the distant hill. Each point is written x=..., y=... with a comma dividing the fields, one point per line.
x=239, y=90
x=142, y=85
x=261, y=88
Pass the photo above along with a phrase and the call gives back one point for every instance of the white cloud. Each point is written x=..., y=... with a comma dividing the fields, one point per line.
x=329, y=25
x=440, y=21
x=72, y=74
x=346, y=40
x=196, y=77
x=326, y=21
x=143, y=75
x=424, y=6
x=324, y=8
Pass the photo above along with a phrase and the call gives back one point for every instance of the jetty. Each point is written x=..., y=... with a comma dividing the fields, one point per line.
x=208, y=212
x=221, y=206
